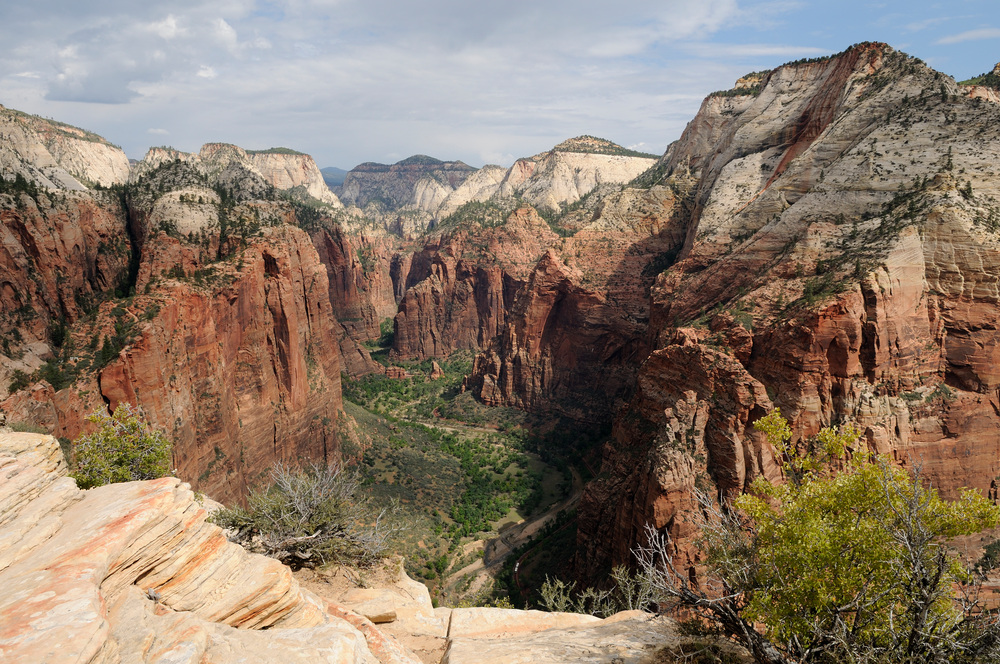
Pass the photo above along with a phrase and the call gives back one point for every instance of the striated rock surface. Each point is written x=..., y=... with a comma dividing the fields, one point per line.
x=133, y=573
x=359, y=270
x=463, y=285
x=480, y=186
x=839, y=261
x=241, y=374
x=472, y=635
x=59, y=253
x=55, y=155
x=562, y=341
x=577, y=331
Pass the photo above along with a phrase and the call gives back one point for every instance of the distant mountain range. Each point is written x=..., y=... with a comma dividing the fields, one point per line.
x=333, y=176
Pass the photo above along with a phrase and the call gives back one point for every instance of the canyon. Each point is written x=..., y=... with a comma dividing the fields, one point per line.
x=822, y=238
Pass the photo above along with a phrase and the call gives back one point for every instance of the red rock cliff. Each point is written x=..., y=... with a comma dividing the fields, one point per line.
x=241, y=375
x=840, y=256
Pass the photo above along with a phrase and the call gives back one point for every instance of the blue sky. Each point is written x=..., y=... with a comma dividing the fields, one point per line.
x=378, y=80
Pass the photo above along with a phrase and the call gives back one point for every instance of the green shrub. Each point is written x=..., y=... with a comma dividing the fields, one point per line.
x=123, y=449
x=18, y=381
x=848, y=561
x=27, y=427
x=311, y=517
x=629, y=591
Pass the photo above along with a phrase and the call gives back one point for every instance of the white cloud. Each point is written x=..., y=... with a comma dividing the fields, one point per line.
x=158, y=132
x=971, y=35
x=360, y=79
x=225, y=34
x=720, y=51
x=355, y=80
x=166, y=28
x=917, y=26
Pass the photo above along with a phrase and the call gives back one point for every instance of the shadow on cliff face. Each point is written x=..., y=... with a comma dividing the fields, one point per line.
x=571, y=347
x=841, y=291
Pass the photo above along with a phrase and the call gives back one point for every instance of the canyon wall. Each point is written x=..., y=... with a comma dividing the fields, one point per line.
x=189, y=292
x=240, y=374
x=840, y=262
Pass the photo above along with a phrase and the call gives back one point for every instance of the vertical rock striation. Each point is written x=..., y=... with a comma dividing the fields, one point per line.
x=840, y=259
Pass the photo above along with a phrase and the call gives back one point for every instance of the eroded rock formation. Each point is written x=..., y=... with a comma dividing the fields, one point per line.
x=240, y=375
x=840, y=256
x=229, y=343
x=133, y=572
x=462, y=285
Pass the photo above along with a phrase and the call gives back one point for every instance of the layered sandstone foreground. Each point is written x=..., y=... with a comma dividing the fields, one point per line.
x=133, y=573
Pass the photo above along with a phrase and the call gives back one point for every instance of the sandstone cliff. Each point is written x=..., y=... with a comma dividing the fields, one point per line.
x=55, y=155
x=281, y=168
x=362, y=293
x=393, y=185
x=289, y=170
x=230, y=344
x=576, y=332
x=571, y=170
x=409, y=197
x=63, y=247
x=841, y=242
x=240, y=374
x=462, y=285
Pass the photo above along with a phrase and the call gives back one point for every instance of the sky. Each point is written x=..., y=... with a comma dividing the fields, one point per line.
x=350, y=81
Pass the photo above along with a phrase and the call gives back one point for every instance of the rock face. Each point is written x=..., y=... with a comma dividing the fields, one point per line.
x=61, y=247
x=230, y=345
x=362, y=266
x=243, y=374
x=403, y=610
x=283, y=169
x=60, y=252
x=394, y=186
x=571, y=170
x=576, y=332
x=462, y=285
x=286, y=169
x=132, y=572
x=839, y=256
x=562, y=341
x=359, y=269
x=687, y=428
x=54, y=155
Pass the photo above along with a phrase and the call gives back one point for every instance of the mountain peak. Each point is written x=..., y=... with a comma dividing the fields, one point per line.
x=595, y=145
